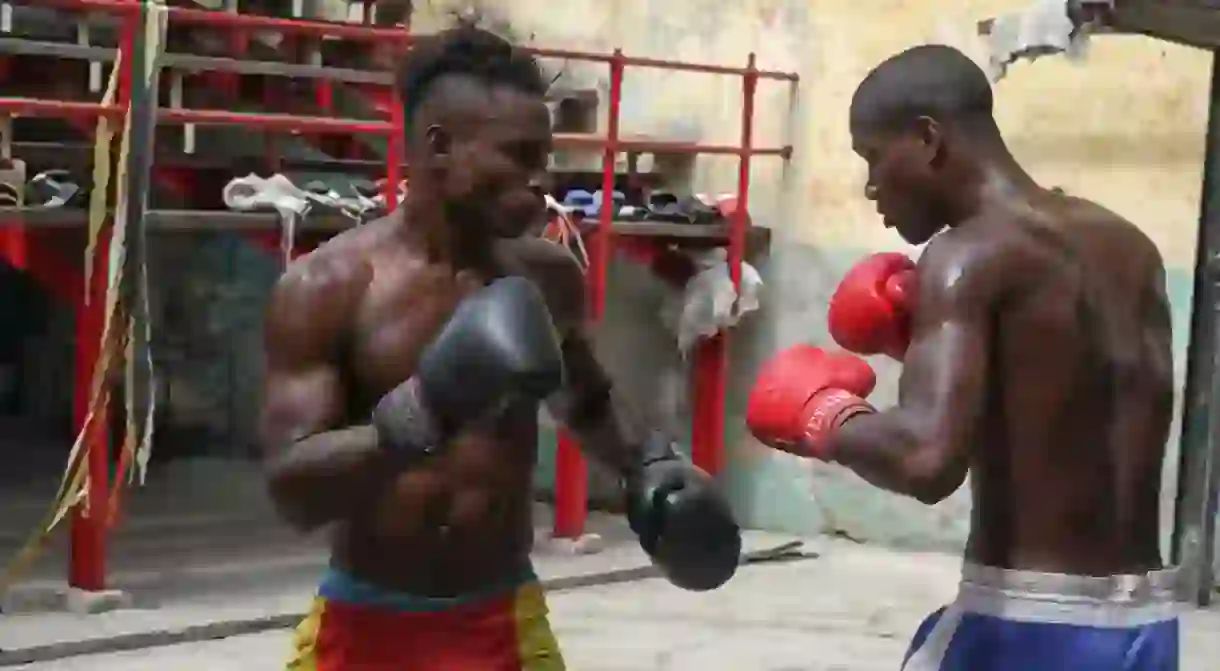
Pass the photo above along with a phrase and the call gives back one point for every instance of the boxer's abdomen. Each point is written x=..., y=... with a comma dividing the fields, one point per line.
x=454, y=524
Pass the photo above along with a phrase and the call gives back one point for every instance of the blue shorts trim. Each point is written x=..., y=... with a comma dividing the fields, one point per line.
x=341, y=587
x=1022, y=621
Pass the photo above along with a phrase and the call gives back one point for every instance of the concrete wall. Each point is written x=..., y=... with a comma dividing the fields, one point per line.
x=1125, y=129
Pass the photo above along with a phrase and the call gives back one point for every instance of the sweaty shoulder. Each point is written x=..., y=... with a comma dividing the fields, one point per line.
x=967, y=267
x=312, y=303
x=556, y=272
x=1118, y=239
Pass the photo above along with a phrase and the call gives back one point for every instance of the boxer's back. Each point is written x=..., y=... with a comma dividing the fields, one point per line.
x=1068, y=477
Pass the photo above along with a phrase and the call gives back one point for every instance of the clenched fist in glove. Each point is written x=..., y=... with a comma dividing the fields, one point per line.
x=804, y=395
x=870, y=311
x=499, y=345
x=683, y=521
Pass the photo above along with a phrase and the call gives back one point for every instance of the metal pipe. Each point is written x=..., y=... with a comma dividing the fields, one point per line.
x=1193, y=544
x=363, y=33
x=72, y=109
x=605, y=220
x=710, y=69
x=87, y=565
x=396, y=149
x=58, y=109
x=289, y=122
x=710, y=377
x=571, y=470
x=295, y=27
x=142, y=74
x=737, y=227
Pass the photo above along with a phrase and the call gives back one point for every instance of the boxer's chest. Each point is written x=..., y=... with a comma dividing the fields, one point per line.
x=401, y=314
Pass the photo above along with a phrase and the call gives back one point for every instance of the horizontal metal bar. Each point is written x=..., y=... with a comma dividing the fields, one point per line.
x=276, y=69
x=205, y=220
x=707, y=69
x=362, y=33
x=273, y=68
x=288, y=122
x=182, y=221
x=113, y=6
x=281, y=122
x=176, y=220
x=351, y=31
x=651, y=146
x=79, y=154
x=57, y=109
x=16, y=46
x=306, y=124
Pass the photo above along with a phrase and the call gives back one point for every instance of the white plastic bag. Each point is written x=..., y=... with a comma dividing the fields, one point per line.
x=709, y=302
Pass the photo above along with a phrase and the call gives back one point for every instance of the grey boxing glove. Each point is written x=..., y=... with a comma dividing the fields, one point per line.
x=683, y=521
x=499, y=346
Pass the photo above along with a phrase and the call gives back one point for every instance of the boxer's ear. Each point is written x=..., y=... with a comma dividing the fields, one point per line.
x=931, y=139
x=438, y=141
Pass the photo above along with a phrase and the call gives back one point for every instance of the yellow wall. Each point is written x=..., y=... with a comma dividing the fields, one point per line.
x=1126, y=128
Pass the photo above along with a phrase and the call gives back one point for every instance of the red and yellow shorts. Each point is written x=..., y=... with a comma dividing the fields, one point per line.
x=354, y=626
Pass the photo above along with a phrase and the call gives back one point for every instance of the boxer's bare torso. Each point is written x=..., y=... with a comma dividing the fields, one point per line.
x=1066, y=465
x=347, y=324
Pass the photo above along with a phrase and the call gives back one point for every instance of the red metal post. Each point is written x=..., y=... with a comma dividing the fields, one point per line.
x=88, y=564
x=239, y=46
x=602, y=246
x=571, y=488
x=711, y=358
x=45, y=255
x=571, y=471
x=741, y=216
x=14, y=245
x=87, y=568
x=396, y=150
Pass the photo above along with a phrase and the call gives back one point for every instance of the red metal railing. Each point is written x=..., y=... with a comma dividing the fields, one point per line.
x=709, y=378
x=87, y=566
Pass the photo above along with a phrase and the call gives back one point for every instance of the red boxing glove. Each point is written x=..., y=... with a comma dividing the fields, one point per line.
x=870, y=311
x=803, y=395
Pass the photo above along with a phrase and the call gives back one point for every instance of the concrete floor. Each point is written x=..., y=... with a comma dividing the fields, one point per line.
x=854, y=608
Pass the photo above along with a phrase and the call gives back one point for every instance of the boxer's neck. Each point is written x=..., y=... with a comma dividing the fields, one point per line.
x=993, y=180
x=429, y=226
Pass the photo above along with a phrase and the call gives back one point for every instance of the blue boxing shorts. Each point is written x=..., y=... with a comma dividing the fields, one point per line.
x=1005, y=620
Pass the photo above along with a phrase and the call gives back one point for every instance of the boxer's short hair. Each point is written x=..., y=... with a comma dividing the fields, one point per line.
x=469, y=53
x=930, y=80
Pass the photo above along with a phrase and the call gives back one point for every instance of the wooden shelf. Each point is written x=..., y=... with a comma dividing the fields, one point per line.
x=758, y=238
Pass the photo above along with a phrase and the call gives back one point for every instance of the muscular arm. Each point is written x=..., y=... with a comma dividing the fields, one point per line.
x=921, y=447
x=317, y=471
x=608, y=428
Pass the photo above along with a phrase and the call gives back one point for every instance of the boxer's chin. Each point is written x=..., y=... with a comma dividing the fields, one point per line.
x=917, y=234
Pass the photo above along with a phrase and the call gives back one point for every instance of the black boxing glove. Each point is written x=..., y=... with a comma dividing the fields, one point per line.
x=682, y=520
x=499, y=346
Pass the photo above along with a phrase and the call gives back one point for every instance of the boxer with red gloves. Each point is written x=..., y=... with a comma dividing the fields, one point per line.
x=870, y=312
x=804, y=395
x=1036, y=343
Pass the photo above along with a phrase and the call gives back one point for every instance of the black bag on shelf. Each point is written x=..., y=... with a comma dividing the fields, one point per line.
x=665, y=206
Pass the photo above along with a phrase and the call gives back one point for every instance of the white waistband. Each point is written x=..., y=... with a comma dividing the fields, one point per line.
x=1094, y=601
